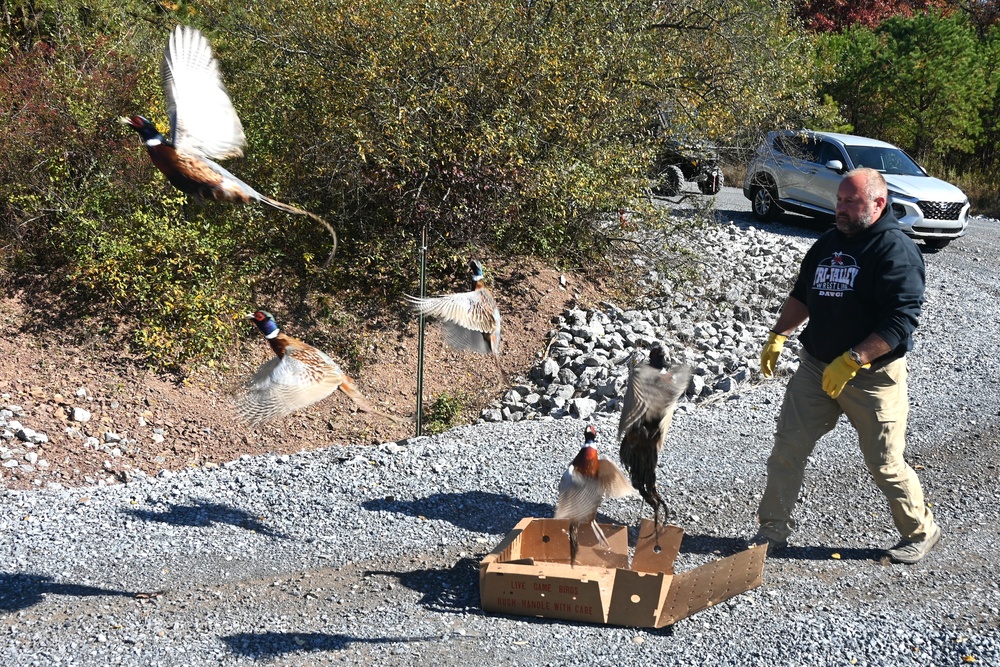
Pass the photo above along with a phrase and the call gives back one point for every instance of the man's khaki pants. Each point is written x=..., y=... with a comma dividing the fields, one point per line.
x=876, y=404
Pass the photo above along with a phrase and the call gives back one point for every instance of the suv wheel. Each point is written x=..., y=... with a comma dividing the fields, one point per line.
x=765, y=204
x=712, y=183
x=669, y=182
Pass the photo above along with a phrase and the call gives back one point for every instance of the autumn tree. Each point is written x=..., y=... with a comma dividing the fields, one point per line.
x=521, y=121
x=510, y=127
x=982, y=13
x=837, y=15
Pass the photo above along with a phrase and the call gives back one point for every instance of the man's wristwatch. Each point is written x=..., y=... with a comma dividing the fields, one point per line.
x=855, y=357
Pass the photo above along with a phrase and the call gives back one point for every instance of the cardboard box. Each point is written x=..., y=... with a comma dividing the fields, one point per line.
x=529, y=574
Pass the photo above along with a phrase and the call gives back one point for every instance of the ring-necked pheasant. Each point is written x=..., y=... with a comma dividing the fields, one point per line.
x=648, y=409
x=298, y=376
x=203, y=126
x=471, y=320
x=587, y=481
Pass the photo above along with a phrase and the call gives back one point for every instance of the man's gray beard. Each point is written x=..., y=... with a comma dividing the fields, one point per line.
x=846, y=226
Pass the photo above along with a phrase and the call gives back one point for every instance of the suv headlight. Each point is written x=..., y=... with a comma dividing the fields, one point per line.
x=898, y=209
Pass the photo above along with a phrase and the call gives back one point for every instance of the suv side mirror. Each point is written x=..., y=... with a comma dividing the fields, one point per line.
x=835, y=165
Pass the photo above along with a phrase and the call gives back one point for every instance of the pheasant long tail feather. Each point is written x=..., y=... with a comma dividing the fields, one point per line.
x=352, y=392
x=639, y=456
x=574, y=544
x=288, y=208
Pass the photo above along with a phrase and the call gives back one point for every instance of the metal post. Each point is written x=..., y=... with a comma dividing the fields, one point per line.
x=420, y=334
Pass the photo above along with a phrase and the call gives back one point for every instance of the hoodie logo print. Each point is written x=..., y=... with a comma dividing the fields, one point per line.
x=835, y=275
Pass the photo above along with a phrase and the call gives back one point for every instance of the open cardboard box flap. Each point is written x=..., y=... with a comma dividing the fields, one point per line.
x=529, y=574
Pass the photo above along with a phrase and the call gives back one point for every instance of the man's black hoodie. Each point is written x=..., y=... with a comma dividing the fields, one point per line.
x=872, y=282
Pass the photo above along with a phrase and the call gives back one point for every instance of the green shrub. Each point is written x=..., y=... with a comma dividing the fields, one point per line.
x=444, y=412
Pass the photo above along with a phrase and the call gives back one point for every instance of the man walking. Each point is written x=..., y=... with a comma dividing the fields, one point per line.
x=859, y=291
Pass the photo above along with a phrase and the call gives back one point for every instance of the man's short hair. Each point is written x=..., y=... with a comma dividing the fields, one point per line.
x=875, y=185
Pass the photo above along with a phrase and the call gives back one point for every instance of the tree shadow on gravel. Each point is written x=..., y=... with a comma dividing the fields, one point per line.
x=269, y=645
x=727, y=546
x=443, y=591
x=476, y=511
x=204, y=514
x=692, y=543
x=827, y=553
x=19, y=590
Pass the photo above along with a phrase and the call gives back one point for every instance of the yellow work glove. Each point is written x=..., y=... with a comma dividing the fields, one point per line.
x=769, y=357
x=839, y=372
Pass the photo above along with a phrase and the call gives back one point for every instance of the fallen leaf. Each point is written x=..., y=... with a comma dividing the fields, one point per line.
x=968, y=658
x=835, y=556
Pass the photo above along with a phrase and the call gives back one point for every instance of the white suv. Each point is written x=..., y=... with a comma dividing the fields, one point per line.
x=800, y=170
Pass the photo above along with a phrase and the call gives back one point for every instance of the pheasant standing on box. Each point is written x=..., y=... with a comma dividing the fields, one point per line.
x=471, y=319
x=203, y=126
x=298, y=376
x=650, y=401
x=587, y=481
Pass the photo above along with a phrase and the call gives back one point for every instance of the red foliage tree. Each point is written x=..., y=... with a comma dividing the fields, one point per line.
x=836, y=15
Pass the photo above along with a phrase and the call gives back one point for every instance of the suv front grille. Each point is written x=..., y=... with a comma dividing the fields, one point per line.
x=941, y=210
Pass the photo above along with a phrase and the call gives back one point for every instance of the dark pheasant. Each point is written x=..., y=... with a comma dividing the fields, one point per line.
x=471, y=320
x=298, y=376
x=587, y=481
x=203, y=126
x=650, y=401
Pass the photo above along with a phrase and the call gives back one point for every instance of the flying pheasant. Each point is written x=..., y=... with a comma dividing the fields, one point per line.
x=203, y=126
x=298, y=376
x=471, y=319
x=587, y=481
x=650, y=401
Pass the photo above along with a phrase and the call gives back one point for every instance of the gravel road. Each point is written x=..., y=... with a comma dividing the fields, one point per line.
x=368, y=555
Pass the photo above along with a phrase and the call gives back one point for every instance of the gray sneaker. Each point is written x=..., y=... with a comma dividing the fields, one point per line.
x=773, y=546
x=910, y=552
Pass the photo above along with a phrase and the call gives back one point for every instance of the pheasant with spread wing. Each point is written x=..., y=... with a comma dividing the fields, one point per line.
x=648, y=409
x=471, y=320
x=298, y=376
x=203, y=126
x=587, y=481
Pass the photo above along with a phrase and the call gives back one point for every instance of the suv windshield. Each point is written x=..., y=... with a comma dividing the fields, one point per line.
x=886, y=160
